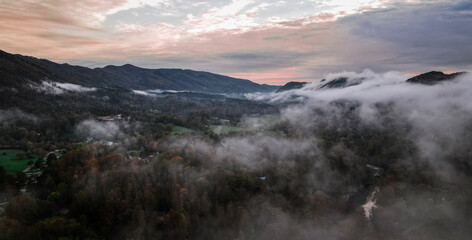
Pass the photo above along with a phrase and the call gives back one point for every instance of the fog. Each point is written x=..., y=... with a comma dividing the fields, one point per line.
x=100, y=130
x=414, y=184
x=438, y=114
x=435, y=119
x=56, y=88
x=15, y=113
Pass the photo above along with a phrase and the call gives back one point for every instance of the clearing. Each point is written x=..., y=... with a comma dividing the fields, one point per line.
x=12, y=163
x=178, y=130
x=225, y=129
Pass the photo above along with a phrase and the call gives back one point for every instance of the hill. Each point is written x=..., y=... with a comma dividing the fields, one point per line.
x=16, y=69
x=433, y=77
x=341, y=82
x=291, y=86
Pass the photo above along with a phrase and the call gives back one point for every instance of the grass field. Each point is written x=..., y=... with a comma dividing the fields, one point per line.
x=266, y=122
x=178, y=130
x=11, y=162
x=224, y=129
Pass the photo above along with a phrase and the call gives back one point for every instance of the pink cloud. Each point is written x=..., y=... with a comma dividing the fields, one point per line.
x=74, y=28
x=275, y=77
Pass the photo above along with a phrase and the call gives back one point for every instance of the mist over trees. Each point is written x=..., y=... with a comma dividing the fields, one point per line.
x=375, y=157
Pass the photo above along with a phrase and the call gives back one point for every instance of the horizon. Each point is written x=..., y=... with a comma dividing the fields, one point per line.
x=265, y=42
x=275, y=85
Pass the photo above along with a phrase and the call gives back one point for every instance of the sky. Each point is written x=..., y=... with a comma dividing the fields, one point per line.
x=270, y=42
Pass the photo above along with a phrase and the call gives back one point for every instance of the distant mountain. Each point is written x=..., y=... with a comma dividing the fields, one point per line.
x=428, y=78
x=433, y=77
x=291, y=86
x=17, y=68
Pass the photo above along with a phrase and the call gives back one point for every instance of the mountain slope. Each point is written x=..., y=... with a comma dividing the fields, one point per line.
x=17, y=68
x=341, y=82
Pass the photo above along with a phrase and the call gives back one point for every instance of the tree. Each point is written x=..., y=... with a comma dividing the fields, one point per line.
x=20, y=155
x=54, y=196
x=20, y=178
x=51, y=158
x=49, y=184
x=22, y=208
x=177, y=224
x=61, y=228
x=38, y=163
x=11, y=229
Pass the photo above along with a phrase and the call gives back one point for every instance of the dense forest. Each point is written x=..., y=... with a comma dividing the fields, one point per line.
x=353, y=161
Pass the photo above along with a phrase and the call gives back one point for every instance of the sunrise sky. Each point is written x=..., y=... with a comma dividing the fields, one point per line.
x=269, y=42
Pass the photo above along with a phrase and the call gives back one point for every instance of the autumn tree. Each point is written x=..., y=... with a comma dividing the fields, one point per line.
x=20, y=155
x=51, y=158
x=22, y=208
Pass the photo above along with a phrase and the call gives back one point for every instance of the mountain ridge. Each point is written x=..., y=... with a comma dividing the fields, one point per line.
x=290, y=86
x=433, y=77
x=16, y=67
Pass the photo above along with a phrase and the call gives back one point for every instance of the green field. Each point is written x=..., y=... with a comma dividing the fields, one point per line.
x=271, y=120
x=266, y=122
x=178, y=130
x=11, y=162
x=224, y=129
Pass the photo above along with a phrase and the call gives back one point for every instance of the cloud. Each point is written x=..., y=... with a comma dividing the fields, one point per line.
x=422, y=36
x=100, y=130
x=75, y=87
x=89, y=20
x=436, y=116
x=56, y=88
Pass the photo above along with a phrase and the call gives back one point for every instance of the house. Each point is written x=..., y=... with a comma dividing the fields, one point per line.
x=376, y=171
x=118, y=117
x=106, y=118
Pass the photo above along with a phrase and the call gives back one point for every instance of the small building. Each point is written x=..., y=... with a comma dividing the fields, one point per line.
x=376, y=171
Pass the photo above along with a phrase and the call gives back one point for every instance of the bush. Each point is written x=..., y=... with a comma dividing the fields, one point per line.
x=20, y=155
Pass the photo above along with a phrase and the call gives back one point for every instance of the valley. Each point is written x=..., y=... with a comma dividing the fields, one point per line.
x=349, y=157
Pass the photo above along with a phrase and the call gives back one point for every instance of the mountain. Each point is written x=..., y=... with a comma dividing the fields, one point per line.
x=433, y=77
x=341, y=82
x=428, y=78
x=17, y=68
x=291, y=86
